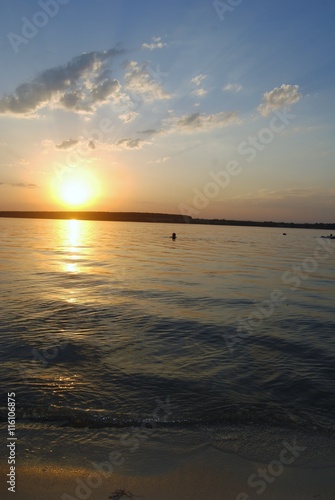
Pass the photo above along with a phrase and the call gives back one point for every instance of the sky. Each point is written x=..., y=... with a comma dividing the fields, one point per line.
x=214, y=109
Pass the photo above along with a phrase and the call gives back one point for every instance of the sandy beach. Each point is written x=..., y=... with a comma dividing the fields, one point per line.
x=211, y=476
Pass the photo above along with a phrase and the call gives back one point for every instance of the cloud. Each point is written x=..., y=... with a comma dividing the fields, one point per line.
x=128, y=117
x=151, y=131
x=128, y=143
x=265, y=195
x=138, y=79
x=232, y=87
x=19, y=184
x=199, y=92
x=197, y=80
x=161, y=160
x=278, y=98
x=104, y=90
x=78, y=86
x=193, y=123
x=67, y=144
x=197, y=122
x=156, y=43
x=81, y=144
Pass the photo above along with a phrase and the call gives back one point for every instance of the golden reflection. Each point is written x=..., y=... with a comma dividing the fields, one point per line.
x=71, y=268
x=73, y=235
x=73, y=232
x=73, y=243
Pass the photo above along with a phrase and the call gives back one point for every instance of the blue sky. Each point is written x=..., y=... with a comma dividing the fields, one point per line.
x=212, y=109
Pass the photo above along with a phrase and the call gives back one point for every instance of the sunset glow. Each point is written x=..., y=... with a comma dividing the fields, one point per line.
x=226, y=125
x=76, y=191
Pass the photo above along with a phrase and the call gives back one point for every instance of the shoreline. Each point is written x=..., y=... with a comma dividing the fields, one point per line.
x=157, y=218
x=211, y=476
x=72, y=464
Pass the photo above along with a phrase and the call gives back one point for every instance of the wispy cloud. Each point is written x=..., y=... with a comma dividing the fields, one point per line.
x=197, y=122
x=19, y=184
x=199, y=92
x=128, y=117
x=129, y=143
x=160, y=160
x=278, y=98
x=265, y=195
x=151, y=131
x=232, y=87
x=197, y=81
x=156, y=43
x=139, y=80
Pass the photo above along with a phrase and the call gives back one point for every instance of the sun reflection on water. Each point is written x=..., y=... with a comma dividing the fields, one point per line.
x=71, y=265
x=73, y=233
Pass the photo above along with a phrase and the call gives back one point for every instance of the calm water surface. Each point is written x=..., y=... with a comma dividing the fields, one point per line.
x=108, y=324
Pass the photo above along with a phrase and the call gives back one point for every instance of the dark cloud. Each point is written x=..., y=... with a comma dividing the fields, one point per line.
x=104, y=90
x=69, y=86
x=129, y=143
x=150, y=131
x=67, y=144
x=197, y=122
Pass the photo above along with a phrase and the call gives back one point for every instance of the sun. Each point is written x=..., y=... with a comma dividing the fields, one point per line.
x=77, y=191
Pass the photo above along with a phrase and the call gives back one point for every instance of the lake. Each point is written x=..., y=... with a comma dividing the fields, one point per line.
x=224, y=334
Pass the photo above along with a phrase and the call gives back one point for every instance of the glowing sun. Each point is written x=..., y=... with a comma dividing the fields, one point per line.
x=77, y=191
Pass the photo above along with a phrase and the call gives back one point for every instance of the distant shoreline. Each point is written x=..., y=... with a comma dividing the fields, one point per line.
x=156, y=217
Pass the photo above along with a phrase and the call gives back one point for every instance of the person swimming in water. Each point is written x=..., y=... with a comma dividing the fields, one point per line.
x=174, y=236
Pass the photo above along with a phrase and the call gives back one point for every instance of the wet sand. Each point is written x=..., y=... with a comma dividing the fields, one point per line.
x=211, y=476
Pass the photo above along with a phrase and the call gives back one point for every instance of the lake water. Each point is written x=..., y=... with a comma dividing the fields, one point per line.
x=226, y=333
